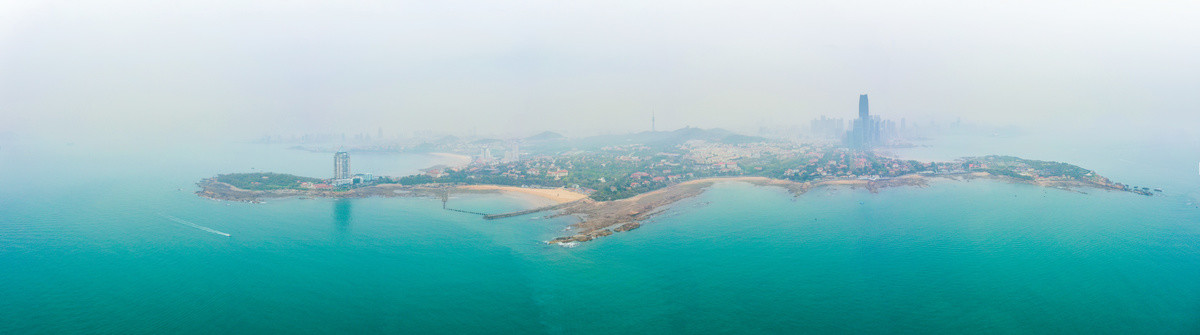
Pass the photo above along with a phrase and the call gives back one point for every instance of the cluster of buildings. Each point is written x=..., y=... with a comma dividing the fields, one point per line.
x=842, y=163
x=828, y=128
x=513, y=167
x=512, y=154
x=641, y=178
x=723, y=155
x=866, y=132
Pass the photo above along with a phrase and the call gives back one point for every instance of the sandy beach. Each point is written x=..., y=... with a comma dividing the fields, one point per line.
x=557, y=195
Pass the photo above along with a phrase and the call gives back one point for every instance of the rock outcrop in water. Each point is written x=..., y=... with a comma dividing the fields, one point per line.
x=627, y=227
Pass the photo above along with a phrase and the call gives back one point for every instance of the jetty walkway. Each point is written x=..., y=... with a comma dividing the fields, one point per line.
x=527, y=211
x=445, y=196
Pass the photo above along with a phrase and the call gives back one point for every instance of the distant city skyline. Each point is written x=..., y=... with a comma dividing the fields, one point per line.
x=124, y=71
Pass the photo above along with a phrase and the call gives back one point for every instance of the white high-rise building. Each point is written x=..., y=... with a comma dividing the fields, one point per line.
x=513, y=154
x=341, y=165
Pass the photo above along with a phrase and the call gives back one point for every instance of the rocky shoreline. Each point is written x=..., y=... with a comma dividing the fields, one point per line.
x=604, y=218
x=213, y=189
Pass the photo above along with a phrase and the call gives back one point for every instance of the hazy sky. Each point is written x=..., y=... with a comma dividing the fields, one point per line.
x=212, y=68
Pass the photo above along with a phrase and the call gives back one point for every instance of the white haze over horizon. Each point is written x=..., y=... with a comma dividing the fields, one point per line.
x=125, y=71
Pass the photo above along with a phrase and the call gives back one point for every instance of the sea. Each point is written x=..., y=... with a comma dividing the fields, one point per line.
x=97, y=240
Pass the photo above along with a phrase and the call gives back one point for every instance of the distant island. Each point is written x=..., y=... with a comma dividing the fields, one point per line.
x=614, y=187
x=614, y=182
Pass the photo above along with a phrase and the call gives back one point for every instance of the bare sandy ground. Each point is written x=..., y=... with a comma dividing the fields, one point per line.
x=557, y=195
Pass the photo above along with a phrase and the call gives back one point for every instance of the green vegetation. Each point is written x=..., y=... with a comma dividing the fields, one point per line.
x=622, y=171
x=1039, y=168
x=1049, y=169
x=416, y=179
x=1007, y=173
x=263, y=181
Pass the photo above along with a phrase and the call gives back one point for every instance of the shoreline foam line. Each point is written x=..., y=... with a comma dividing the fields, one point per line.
x=193, y=225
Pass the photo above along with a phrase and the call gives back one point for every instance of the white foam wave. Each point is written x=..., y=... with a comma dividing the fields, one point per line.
x=193, y=225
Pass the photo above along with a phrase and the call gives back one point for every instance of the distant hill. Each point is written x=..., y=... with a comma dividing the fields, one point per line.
x=679, y=136
x=546, y=136
x=436, y=145
x=551, y=142
x=448, y=139
x=717, y=135
x=486, y=141
x=657, y=139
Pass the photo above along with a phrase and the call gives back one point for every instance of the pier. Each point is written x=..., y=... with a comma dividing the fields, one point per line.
x=523, y=212
x=445, y=196
x=485, y=215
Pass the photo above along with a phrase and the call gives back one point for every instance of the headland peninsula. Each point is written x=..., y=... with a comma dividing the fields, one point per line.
x=613, y=188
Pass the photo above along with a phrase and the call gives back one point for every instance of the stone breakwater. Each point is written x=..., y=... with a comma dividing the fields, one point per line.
x=602, y=219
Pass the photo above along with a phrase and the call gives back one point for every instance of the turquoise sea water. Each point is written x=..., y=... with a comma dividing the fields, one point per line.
x=87, y=245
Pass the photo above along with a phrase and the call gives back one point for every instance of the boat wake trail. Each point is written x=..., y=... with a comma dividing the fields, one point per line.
x=193, y=225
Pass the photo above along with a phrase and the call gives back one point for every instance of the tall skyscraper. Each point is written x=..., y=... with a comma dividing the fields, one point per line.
x=341, y=165
x=865, y=133
x=863, y=112
x=652, y=122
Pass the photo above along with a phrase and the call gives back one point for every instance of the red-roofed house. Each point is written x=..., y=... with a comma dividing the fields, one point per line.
x=556, y=173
